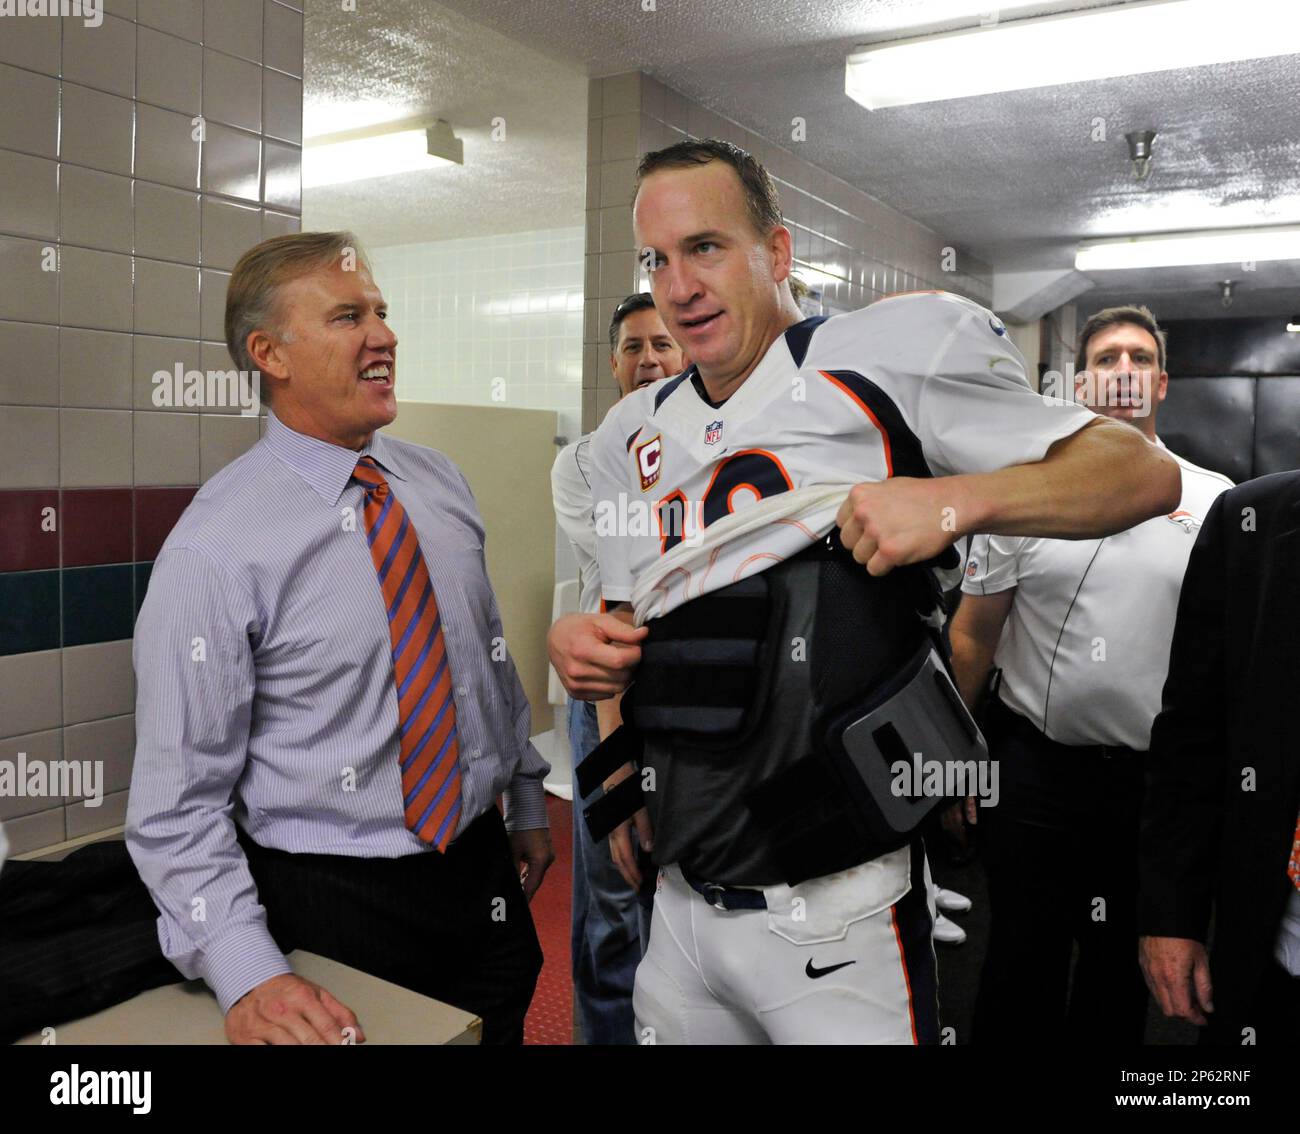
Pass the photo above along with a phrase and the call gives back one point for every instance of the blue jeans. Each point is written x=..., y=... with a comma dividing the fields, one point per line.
x=610, y=927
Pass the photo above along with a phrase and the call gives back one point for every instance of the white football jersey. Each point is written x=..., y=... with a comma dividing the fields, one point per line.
x=571, y=495
x=916, y=385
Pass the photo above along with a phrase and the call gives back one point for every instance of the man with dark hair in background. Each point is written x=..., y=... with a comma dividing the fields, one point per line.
x=609, y=925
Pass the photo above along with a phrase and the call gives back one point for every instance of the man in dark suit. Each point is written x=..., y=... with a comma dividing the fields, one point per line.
x=1223, y=781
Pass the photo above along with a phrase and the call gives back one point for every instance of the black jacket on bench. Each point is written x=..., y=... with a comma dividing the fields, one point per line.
x=76, y=936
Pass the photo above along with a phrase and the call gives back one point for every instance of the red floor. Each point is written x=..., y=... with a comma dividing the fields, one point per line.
x=550, y=1019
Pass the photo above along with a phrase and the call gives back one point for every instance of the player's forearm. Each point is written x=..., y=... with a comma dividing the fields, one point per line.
x=1104, y=479
x=971, y=661
x=609, y=714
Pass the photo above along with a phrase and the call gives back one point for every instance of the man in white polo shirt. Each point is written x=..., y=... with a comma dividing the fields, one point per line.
x=1080, y=630
x=609, y=926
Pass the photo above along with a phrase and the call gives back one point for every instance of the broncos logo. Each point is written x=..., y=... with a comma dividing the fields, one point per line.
x=1184, y=520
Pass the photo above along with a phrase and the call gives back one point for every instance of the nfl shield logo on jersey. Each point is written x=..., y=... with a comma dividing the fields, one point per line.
x=713, y=433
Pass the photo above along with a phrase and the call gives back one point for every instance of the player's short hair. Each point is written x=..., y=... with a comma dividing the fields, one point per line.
x=639, y=301
x=252, y=297
x=1139, y=315
x=761, y=198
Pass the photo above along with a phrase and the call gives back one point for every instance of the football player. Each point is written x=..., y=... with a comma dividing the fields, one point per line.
x=906, y=425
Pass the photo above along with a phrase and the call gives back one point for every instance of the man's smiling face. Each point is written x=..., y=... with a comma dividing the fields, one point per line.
x=334, y=363
x=645, y=351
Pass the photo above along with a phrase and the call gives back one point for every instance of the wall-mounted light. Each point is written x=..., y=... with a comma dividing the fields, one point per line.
x=1074, y=47
x=381, y=150
x=1293, y=327
x=1180, y=249
x=1225, y=292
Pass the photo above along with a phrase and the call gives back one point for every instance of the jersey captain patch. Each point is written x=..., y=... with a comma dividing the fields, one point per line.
x=649, y=459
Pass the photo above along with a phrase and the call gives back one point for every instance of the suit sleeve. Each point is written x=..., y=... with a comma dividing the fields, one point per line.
x=1182, y=814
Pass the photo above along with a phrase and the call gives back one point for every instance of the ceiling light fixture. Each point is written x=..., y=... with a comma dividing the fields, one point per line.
x=401, y=146
x=1139, y=152
x=1074, y=47
x=1181, y=249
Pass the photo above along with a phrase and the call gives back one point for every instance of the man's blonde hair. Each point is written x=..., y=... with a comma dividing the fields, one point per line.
x=253, y=299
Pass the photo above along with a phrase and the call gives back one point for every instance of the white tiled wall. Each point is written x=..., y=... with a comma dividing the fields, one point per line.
x=494, y=320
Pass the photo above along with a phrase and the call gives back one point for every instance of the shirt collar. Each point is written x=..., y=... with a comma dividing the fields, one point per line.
x=326, y=467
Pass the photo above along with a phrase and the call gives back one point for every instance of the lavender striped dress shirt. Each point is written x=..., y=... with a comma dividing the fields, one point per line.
x=266, y=694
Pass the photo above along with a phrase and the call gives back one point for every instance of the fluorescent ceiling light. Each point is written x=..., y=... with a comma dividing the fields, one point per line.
x=401, y=146
x=1293, y=328
x=1180, y=249
x=1076, y=47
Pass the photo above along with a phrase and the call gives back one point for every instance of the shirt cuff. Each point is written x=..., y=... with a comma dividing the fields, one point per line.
x=239, y=961
x=525, y=805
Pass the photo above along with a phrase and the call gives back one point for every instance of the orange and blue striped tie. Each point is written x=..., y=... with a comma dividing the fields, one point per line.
x=1293, y=862
x=430, y=752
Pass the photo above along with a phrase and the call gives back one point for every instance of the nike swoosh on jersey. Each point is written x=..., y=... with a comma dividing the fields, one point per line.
x=813, y=973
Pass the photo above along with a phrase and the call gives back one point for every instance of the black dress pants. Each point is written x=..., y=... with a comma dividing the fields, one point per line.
x=1060, y=851
x=452, y=926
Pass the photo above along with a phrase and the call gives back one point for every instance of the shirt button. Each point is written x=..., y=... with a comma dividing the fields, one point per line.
x=473, y=753
x=462, y=691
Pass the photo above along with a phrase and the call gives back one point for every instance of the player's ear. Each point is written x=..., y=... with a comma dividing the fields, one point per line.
x=781, y=248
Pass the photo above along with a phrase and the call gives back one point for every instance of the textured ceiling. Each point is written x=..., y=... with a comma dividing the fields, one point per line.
x=1273, y=289
x=1014, y=178
x=417, y=57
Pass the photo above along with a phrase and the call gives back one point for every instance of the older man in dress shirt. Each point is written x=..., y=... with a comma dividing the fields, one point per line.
x=325, y=715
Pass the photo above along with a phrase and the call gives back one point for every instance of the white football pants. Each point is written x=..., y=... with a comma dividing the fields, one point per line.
x=847, y=958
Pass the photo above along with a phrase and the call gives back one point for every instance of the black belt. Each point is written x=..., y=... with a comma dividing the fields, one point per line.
x=727, y=897
x=1001, y=718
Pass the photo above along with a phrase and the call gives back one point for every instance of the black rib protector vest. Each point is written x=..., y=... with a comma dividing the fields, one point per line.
x=731, y=693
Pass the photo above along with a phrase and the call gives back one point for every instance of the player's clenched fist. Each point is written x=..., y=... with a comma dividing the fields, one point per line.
x=899, y=521
x=595, y=654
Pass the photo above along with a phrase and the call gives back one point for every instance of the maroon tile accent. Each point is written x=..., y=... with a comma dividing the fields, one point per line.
x=23, y=545
x=96, y=526
x=156, y=513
